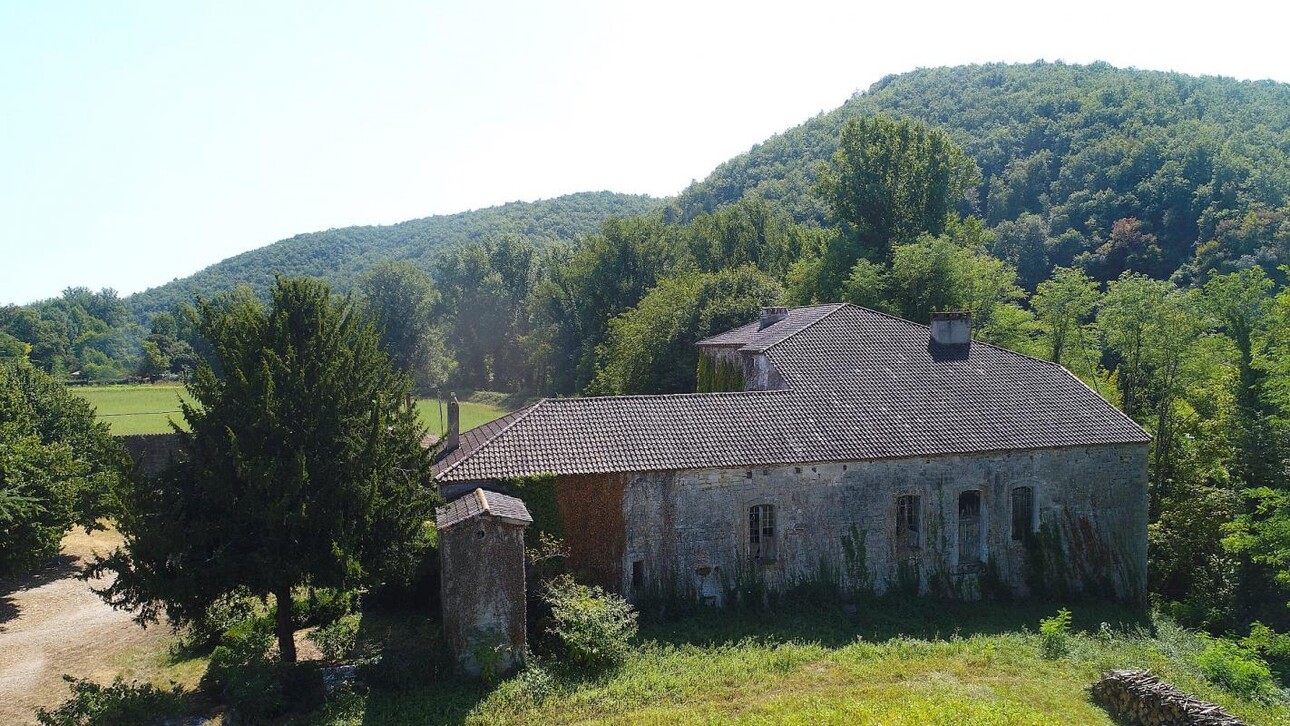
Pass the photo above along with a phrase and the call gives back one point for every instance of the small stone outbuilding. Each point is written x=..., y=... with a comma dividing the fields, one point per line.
x=870, y=451
x=481, y=550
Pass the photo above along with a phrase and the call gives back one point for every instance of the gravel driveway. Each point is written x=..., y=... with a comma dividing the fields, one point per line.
x=52, y=624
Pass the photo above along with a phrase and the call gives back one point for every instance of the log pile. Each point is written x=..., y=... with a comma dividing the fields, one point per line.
x=1140, y=699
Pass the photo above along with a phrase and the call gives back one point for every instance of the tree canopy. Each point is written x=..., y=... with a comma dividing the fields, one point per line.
x=58, y=467
x=304, y=466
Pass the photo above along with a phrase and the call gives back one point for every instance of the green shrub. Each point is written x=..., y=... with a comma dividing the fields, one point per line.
x=119, y=704
x=224, y=614
x=1235, y=668
x=1055, y=634
x=324, y=605
x=336, y=640
x=242, y=673
x=593, y=626
x=1273, y=646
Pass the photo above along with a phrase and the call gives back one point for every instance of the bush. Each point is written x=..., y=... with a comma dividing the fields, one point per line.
x=1055, y=634
x=324, y=605
x=241, y=672
x=593, y=626
x=336, y=640
x=226, y=613
x=1274, y=647
x=1236, y=669
x=120, y=704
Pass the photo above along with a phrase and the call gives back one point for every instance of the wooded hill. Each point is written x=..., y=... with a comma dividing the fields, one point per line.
x=341, y=255
x=1065, y=151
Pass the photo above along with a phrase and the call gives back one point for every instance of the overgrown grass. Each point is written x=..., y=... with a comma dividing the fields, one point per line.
x=892, y=663
x=149, y=408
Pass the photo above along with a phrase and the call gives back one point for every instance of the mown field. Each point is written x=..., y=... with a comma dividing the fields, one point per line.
x=149, y=408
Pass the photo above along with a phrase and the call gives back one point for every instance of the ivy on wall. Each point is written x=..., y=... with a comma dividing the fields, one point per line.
x=715, y=376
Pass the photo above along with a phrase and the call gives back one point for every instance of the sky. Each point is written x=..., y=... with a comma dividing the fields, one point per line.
x=141, y=142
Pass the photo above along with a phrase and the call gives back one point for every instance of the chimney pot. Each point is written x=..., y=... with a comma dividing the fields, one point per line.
x=951, y=328
x=770, y=316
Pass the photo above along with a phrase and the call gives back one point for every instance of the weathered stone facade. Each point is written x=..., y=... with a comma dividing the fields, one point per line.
x=1082, y=525
x=481, y=550
x=863, y=451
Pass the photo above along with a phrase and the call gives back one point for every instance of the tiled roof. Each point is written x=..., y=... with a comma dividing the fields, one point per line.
x=476, y=437
x=753, y=337
x=861, y=385
x=479, y=503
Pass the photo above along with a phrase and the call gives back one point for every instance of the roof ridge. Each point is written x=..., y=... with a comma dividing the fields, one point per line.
x=696, y=394
x=813, y=323
x=975, y=341
x=492, y=438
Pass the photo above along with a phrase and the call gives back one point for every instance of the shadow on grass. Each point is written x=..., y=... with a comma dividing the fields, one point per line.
x=834, y=625
x=411, y=678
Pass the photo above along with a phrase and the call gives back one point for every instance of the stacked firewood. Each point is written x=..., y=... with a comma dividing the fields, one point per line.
x=1140, y=699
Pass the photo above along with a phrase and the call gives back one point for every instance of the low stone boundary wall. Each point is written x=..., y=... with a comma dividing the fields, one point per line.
x=1140, y=699
x=152, y=452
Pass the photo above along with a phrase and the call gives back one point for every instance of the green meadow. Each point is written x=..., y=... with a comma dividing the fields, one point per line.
x=149, y=408
x=914, y=663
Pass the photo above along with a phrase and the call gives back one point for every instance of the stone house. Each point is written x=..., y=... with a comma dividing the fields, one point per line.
x=865, y=450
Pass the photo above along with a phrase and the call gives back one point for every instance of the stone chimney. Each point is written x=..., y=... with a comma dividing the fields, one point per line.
x=951, y=329
x=452, y=437
x=770, y=316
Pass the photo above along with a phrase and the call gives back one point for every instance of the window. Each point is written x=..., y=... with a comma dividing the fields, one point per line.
x=1023, y=512
x=970, y=528
x=638, y=574
x=761, y=532
x=907, y=523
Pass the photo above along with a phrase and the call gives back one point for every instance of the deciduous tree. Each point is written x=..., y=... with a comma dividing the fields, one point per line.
x=58, y=467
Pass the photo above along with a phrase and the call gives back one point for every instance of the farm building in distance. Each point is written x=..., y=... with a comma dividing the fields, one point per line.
x=864, y=449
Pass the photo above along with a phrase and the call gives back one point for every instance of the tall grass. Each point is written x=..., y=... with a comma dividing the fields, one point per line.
x=892, y=663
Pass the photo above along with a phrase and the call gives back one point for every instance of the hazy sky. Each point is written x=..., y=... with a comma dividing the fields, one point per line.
x=143, y=141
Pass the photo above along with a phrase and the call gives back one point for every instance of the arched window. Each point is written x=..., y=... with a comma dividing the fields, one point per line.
x=761, y=532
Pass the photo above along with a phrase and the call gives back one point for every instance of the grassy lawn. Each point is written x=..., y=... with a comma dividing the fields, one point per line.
x=148, y=409
x=138, y=409
x=917, y=664
x=473, y=414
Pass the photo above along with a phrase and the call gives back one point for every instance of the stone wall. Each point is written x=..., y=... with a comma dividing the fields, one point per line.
x=591, y=510
x=688, y=530
x=152, y=452
x=483, y=593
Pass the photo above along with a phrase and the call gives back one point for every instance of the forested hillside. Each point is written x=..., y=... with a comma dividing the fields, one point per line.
x=1197, y=165
x=341, y=255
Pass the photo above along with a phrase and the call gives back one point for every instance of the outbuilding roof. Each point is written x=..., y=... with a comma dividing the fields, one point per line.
x=860, y=385
x=482, y=503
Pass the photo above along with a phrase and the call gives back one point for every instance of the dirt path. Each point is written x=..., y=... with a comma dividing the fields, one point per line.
x=53, y=625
